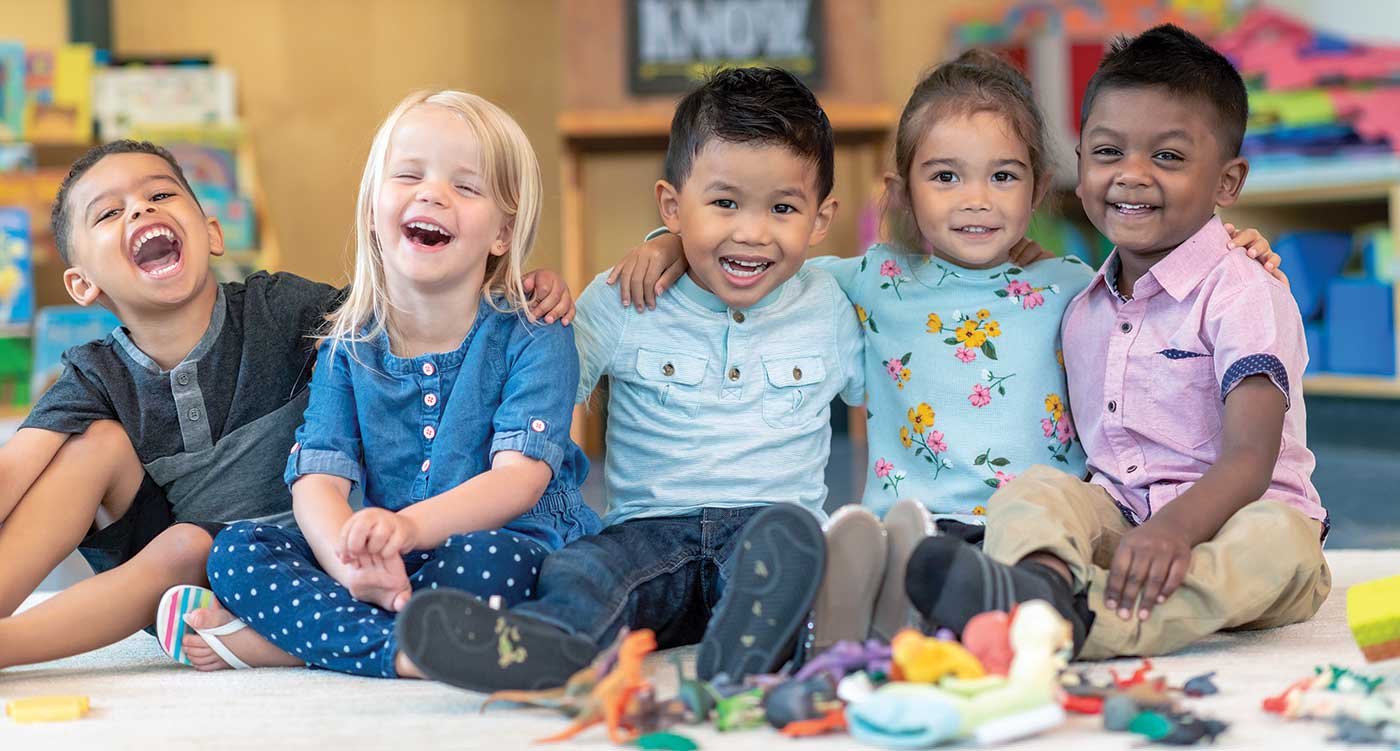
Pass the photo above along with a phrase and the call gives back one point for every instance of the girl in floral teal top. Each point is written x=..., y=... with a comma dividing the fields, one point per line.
x=965, y=380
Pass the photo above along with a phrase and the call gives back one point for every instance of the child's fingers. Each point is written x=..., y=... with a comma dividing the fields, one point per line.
x=1132, y=585
x=624, y=279
x=568, y=316
x=1152, y=589
x=670, y=276
x=528, y=283
x=1117, y=575
x=1230, y=229
x=638, y=283
x=377, y=537
x=1175, y=576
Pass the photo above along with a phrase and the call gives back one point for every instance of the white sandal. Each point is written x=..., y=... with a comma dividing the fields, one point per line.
x=170, y=624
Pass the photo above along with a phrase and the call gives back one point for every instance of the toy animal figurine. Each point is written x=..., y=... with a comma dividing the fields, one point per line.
x=739, y=711
x=922, y=659
x=800, y=701
x=1201, y=685
x=609, y=700
x=571, y=697
x=832, y=722
x=846, y=657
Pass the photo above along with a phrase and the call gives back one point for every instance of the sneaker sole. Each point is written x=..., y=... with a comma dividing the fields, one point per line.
x=855, y=567
x=453, y=638
x=907, y=523
x=768, y=596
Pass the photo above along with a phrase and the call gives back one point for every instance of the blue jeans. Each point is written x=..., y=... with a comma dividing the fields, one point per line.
x=666, y=574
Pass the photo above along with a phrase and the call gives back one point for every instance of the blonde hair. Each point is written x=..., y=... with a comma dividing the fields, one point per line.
x=511, y=176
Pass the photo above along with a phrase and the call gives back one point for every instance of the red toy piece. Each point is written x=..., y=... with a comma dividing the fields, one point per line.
x=1138, y=677
x=1083, y=704
x=988, y=637
x=831, y=722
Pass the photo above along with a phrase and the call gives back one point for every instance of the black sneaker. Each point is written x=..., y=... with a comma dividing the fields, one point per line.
x=455, y=638
x=777, y=569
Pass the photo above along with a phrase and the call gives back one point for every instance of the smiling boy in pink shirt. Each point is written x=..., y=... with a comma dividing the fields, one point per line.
x=1184, y=365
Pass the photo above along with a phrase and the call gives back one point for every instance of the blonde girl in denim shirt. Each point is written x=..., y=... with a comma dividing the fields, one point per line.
x=436, y=394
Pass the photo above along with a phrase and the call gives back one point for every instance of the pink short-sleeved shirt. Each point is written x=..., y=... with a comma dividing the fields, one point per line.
x=1148, y=376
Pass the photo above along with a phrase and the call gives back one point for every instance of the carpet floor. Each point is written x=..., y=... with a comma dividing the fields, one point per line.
x=142, y=700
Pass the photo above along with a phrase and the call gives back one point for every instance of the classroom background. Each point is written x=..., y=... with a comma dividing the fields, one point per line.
x=271, y=104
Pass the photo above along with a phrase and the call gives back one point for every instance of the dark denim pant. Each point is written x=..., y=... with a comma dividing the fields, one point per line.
x=666, y=574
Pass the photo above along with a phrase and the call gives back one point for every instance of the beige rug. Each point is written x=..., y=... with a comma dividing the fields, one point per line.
x=141, y=700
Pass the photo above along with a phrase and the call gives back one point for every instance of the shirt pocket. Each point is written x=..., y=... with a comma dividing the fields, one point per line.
x=791, y=390
x=1183, y=404
x=673, y=378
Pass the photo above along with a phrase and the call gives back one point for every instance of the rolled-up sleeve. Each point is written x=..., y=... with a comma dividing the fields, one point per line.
x=1258, y=333
x=328, y=441
x=537, y=400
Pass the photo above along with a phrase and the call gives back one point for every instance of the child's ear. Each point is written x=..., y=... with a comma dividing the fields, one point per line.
x=668, y=203
x=825, y=213
x=1042, y=188
x=83, y=290
x=503, y=238
x=216, y=236
x=1231, y=181
x=896, y=191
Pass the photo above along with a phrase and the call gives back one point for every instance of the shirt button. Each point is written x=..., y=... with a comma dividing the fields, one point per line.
x=430, y=399
x=429, y=432
x=1113, y=406
x=797, y=374
x=668, y=369
x=1126, y=327
x=738, y=316
x=1132, y=469
x=537, y=425
x=194, y=414
x=183, y=379
x=733, y=374
x=428, y=369
x=427, y=463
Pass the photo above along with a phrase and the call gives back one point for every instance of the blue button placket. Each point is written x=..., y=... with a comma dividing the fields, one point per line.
x=429, y=378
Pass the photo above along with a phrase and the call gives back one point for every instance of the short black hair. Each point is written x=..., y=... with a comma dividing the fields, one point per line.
x=1176, y=60
x=61, y=217
x=752, y=105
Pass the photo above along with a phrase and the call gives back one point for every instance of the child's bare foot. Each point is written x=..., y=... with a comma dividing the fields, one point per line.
x=247, y=644
x=379, y=581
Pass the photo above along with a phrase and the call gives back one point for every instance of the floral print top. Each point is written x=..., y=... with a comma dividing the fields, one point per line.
x=965, y=380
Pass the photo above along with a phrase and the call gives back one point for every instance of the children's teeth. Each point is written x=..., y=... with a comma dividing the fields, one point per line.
x=1133, y=206
x=153, y=232
x=428, y=226
x=976, y=230
x=743, y=268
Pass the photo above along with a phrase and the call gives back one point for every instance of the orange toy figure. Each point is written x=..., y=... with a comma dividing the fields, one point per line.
x=610, y=698
x=925, y=659
x=988, y=637
x=831, y=722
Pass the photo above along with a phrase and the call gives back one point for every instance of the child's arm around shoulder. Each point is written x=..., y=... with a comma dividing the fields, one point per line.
x=848, y=338
x=1257, y=343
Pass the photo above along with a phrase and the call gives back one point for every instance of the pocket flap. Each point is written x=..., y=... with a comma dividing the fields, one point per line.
x=671, y=367
x=800, y=370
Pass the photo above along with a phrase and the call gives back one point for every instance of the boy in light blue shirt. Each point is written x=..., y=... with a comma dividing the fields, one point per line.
x=718, y=419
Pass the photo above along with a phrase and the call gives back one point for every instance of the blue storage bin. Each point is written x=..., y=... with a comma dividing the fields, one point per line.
x=1316, y=332
x=1312, y=260
x=1360, y=327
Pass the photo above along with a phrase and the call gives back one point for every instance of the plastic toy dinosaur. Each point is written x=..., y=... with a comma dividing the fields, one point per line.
x=608, y=702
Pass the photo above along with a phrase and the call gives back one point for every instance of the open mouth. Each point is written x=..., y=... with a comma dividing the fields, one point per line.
x=744, y=269
x=426, y=233
x=156, y=251
x=976, y=230
x=1133, y=209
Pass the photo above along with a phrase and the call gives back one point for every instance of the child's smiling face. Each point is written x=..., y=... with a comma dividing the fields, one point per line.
x=139, y=238
x=1152, y=169
x=747, y=214
x=971, y=188
x=434, y=221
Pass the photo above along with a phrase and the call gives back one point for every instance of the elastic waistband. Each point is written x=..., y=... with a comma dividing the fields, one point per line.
x=553, y=503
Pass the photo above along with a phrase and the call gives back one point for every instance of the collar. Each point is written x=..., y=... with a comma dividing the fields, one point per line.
x=1183, y=270
x=709, y=301
x=449, y=360
x=211, y=334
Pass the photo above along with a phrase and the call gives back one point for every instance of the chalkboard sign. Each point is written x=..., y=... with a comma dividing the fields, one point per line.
x=674, y=43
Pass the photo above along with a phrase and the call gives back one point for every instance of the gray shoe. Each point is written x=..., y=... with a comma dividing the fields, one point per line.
x=855, y=565
x=907, y=523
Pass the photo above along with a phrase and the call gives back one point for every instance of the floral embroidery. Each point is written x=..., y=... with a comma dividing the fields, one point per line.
x=981, y=396
x=866, y=320
x=891, y=270
x=927, y=443
x=892, y=477
x=945, y=274
x=1058, y=427
x=979, y=510
x=995, y=381
x=898, y=369
x=1000, y=478
x=1027, y=296
x=972, y=332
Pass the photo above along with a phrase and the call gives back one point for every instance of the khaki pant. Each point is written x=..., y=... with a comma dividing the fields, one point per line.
x=1263, y=569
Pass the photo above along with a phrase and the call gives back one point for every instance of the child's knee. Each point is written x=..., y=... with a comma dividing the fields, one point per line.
x=183, y=549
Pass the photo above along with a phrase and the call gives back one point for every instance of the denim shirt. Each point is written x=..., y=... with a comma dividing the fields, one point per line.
x=407, y=429
x=710, y=407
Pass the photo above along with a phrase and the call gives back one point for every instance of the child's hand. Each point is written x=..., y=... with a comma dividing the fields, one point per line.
x=649, y=270
x=1027, y=252
x=550, y=300
x=375, y=532
x=1151, y=561
x=1256, y=246
x=379, y=580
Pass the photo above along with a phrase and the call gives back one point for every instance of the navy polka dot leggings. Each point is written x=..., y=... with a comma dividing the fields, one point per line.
x=268, y=576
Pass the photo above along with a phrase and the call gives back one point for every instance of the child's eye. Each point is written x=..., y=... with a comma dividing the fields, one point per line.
x=161, y=196
x=784, y=208
x=725, y=203
x=108, y=214
x=468, y=189
x=1167, y=156
x=1004, y=177
x=1108, y=151
x=944, y=177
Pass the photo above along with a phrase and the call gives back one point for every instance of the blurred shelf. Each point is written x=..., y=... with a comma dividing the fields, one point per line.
x=1371, y=387
x=604, y=127
x=1322, y=181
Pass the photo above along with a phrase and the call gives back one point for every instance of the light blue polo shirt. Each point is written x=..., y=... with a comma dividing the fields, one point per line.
x=714, y=407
